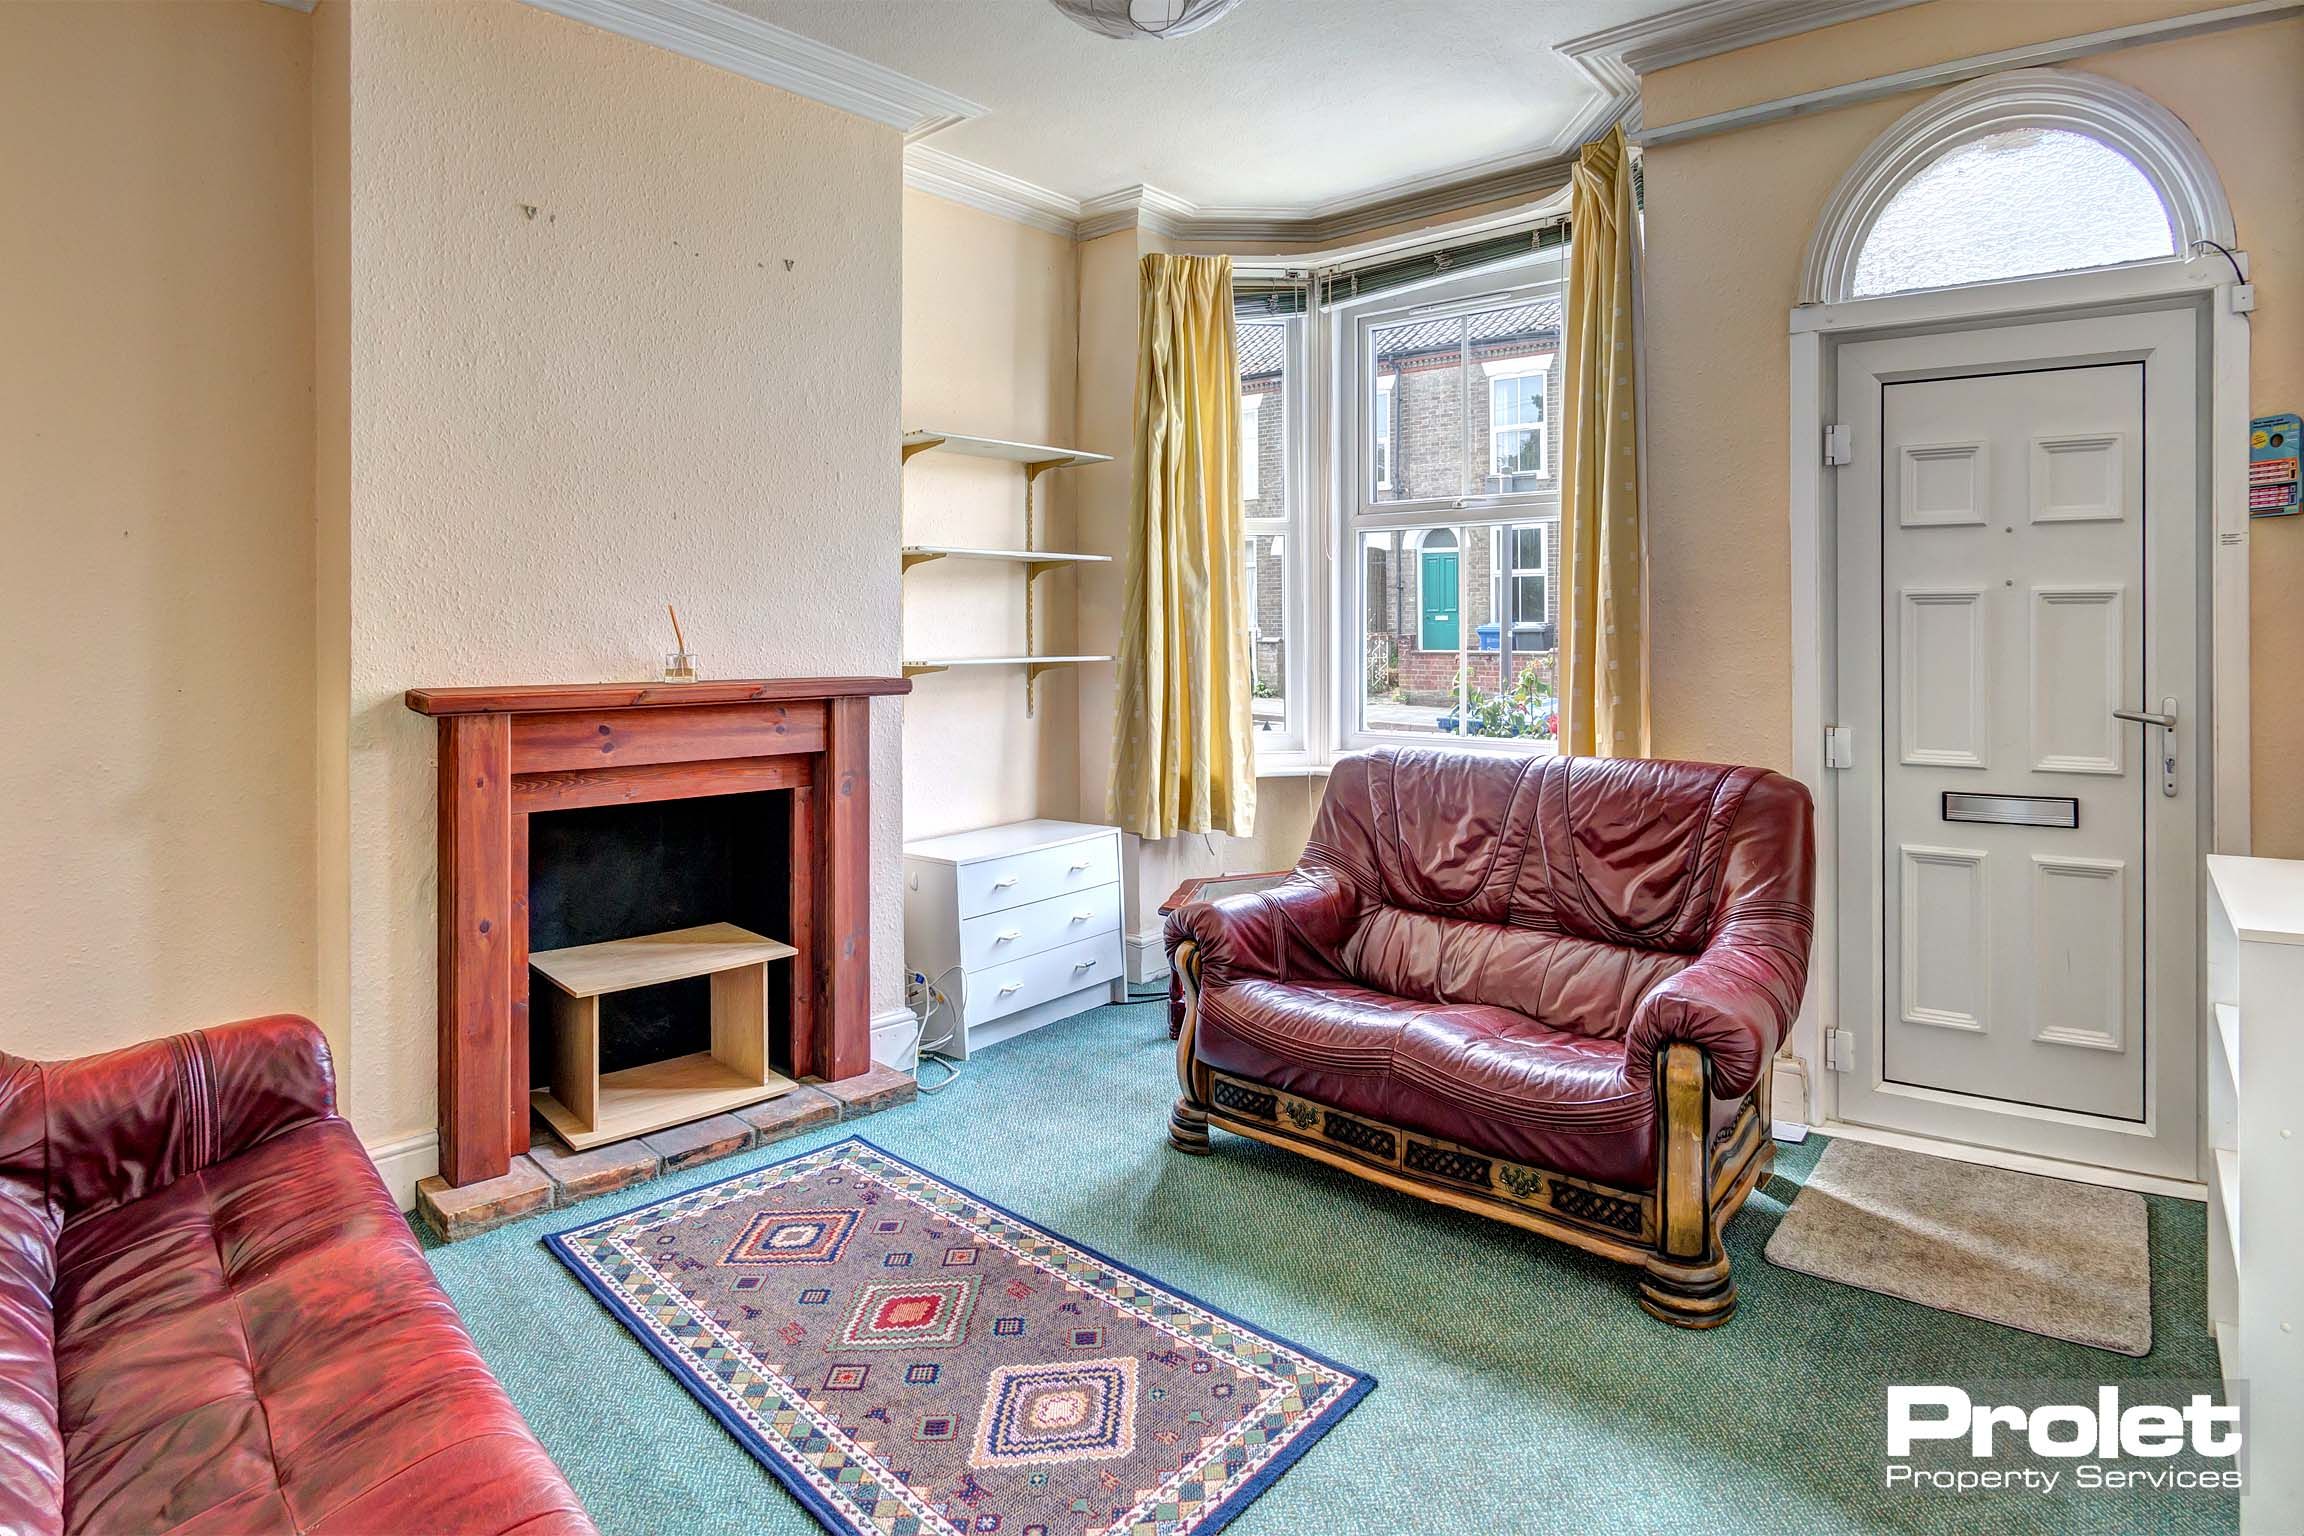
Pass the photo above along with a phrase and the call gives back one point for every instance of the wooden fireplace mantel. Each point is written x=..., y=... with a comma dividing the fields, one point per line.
x=507, y=753
x=545, y=698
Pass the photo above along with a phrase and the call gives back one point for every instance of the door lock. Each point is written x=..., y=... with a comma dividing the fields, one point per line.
x=2165, y=723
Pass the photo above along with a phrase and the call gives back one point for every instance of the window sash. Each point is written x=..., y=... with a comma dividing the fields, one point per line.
x=1282, y=513
x=1373, y=406
x=1358, y=396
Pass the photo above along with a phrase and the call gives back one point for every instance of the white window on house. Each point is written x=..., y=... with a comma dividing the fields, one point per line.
x=1518, y=443
x=1251, y=447
x=1446, y=611
x=1526, y=596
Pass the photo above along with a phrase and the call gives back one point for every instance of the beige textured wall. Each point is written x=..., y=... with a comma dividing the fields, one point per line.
x=677, y=381
x=1728, y=221
x=155, y=528
x=991, y=346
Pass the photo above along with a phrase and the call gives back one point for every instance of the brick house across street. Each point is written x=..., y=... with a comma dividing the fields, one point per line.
x=1459, y=408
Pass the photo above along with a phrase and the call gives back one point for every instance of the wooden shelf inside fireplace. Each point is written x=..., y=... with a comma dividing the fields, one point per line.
x=587, y=1108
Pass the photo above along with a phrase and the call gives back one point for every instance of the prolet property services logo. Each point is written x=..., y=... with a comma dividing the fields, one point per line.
x=2090, y=1440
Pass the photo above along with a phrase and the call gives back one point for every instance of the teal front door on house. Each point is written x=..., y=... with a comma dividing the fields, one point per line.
x=1439, y=629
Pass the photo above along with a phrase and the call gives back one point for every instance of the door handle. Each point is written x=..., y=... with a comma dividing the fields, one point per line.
x=2165, y=720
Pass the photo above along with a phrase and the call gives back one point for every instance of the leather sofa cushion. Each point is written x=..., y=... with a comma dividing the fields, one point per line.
x=260, y=1346
x=1481, y=1076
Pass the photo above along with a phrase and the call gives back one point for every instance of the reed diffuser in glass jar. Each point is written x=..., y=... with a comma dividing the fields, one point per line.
x=680, y=665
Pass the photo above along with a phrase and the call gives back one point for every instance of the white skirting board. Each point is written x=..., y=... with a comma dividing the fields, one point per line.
x=896, y=1038
x=1147, y=957
x=407, y=1160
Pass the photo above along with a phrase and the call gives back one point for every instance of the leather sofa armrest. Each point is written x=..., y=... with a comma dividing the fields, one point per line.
x=1734, y=1003
x=1295, y=930
x=124, y=1124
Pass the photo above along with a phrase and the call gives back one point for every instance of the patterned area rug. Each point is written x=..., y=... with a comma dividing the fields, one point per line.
x=911, y=1360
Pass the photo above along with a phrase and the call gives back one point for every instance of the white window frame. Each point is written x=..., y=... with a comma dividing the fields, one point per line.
x=1380, y=432
x=1251, y=447
x=1352, y=510
x=1286, y=750
x=1509, y=570
x=2153, y=139
x=1521, y=368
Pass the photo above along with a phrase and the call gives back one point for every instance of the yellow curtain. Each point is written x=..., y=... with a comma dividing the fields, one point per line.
x=1603, y=620
x=1182, y=760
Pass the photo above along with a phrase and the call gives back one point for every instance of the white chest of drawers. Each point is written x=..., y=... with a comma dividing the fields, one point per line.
x=1019, y=925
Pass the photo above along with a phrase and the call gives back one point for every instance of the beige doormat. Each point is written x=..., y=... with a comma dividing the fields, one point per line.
x=2071, y=1261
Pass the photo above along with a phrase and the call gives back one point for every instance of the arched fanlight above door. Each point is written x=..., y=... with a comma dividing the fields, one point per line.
x=2016, y=175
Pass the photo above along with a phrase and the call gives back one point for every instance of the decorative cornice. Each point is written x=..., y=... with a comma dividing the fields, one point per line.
x=929, y=169
x=1928, y=77
x=758, y=50
x=1612, y=60
x=1698, y=31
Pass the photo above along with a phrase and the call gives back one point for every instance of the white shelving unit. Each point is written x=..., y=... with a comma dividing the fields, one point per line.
x=2256, y=1138
x=1037, y=459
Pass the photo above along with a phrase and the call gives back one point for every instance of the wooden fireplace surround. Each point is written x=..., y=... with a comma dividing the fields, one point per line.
x=508, y=753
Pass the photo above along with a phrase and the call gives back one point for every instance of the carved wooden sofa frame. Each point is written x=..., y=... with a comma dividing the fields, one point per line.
x=1672, y=1231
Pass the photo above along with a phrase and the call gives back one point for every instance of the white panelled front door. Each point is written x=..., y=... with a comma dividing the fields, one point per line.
x=2018, y=549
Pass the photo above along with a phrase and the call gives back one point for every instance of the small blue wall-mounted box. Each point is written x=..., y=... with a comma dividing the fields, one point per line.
x=2273, y=483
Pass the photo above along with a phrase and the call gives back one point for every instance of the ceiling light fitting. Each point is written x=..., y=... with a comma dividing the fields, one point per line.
x=1131, y=19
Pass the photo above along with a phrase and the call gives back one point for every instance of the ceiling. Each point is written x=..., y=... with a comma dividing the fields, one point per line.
x=1294, y=105
x=1296, y=120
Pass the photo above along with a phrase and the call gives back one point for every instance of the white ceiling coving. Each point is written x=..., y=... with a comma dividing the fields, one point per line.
x=1286, y=118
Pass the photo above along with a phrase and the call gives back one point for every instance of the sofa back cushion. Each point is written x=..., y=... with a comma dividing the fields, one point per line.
x=31, y=1446
x=1564, y=888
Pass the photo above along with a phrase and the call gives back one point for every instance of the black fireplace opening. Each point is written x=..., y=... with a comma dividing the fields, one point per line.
x=621, y=871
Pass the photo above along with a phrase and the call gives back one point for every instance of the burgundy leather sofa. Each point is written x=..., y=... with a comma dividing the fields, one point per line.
x=214, y=1319
x=1546, y=991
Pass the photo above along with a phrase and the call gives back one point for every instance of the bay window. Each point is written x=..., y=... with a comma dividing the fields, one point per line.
x=1400, y=464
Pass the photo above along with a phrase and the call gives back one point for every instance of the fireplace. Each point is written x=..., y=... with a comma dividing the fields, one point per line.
x=575, y=814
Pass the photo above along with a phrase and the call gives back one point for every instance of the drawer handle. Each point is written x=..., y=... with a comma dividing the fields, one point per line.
x=1008, y=933
x=1012, y=986
x=1004, y=882
x=1083, y=914
x=1083, y=864
x=1082, y=965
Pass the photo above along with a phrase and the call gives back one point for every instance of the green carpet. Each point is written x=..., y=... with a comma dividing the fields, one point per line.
x=1522, y=1388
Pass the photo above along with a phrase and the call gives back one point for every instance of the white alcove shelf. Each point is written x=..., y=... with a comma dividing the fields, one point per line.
x=1037, y=459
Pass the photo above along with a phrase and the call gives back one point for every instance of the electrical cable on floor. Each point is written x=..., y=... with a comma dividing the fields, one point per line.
x=933, y=997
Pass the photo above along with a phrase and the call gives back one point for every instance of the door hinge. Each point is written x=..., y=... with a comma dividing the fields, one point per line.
x=1840, y=1050
x=1839, y=747
x=1839, y=445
